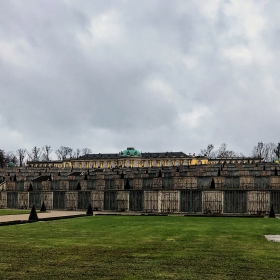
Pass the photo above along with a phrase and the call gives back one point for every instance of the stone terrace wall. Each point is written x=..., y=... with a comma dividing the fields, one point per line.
x=216, y=189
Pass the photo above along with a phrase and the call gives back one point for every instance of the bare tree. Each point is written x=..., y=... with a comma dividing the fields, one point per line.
x=208, y=152
x=258, y=151
x=64, y=152
x=270, y=154
x=223, y=152
x=2, y=158
x=46, y=153
x=266, y=151
x=76, y=154
x=86, y=151
x=21, y=153
x=35, y=154
x=82, y=152
x=11, y=157
x=277, y=151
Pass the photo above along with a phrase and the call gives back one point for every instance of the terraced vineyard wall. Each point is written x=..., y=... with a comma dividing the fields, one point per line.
x=205, y=189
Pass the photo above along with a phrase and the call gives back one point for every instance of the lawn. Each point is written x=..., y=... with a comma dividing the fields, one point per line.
x=127, y=247
x=13, y=212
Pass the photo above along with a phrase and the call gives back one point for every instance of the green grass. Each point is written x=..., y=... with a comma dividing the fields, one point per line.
x=13, y=212
x=127, y=247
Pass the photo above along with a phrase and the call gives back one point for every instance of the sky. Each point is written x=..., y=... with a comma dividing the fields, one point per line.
x=157, y=75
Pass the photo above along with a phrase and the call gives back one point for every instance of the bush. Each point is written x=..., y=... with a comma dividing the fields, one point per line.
x=43, y=208
x=271, y=213
x=33, y=214
x=89, y=211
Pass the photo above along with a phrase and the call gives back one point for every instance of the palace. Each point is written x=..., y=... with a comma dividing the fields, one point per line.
x=132, y=158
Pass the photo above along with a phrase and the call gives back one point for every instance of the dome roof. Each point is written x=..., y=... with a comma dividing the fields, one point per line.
x=11, y=164
x=130, y=152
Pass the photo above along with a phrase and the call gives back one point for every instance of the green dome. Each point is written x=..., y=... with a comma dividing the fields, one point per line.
x=130, y=152
x=11, y=164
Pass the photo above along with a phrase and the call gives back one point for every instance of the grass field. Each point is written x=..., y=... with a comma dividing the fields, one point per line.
x=127, y=247
x=13, y=212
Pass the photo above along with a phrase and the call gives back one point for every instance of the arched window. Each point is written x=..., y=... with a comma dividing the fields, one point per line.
x=127, y=164
x=135, y=163
x=146, y=163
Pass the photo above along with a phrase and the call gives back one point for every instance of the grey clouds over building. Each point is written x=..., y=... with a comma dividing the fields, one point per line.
x=157, y=75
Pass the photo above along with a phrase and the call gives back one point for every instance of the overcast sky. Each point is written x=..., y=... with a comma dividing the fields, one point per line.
x=157, y=75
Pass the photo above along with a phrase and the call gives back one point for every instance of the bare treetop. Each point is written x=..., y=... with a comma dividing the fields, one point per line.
x=46, y=153
x=64, y=152
x=21, y=153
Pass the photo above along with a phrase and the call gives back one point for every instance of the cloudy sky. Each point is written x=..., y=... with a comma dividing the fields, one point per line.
x=158, y=75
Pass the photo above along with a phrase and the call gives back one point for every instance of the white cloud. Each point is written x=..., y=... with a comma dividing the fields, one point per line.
x=15, y=52
x=161, y=89
x=194, y=118
x=239, y=55
x=246, y=18
x=103, y=29
x=209, y=8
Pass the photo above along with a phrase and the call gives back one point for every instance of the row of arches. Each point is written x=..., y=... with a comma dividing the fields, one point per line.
x=129, y=163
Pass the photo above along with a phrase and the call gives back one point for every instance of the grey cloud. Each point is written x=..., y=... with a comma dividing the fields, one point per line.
x=141, y=81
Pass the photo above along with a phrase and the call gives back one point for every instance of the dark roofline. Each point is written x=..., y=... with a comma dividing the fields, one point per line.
x=143, y=155
x=45, y=161
x=231, y=158
x=91, y=156
x=117, y=156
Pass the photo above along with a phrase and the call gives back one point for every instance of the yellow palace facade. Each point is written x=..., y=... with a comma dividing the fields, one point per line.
x=129, y=158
